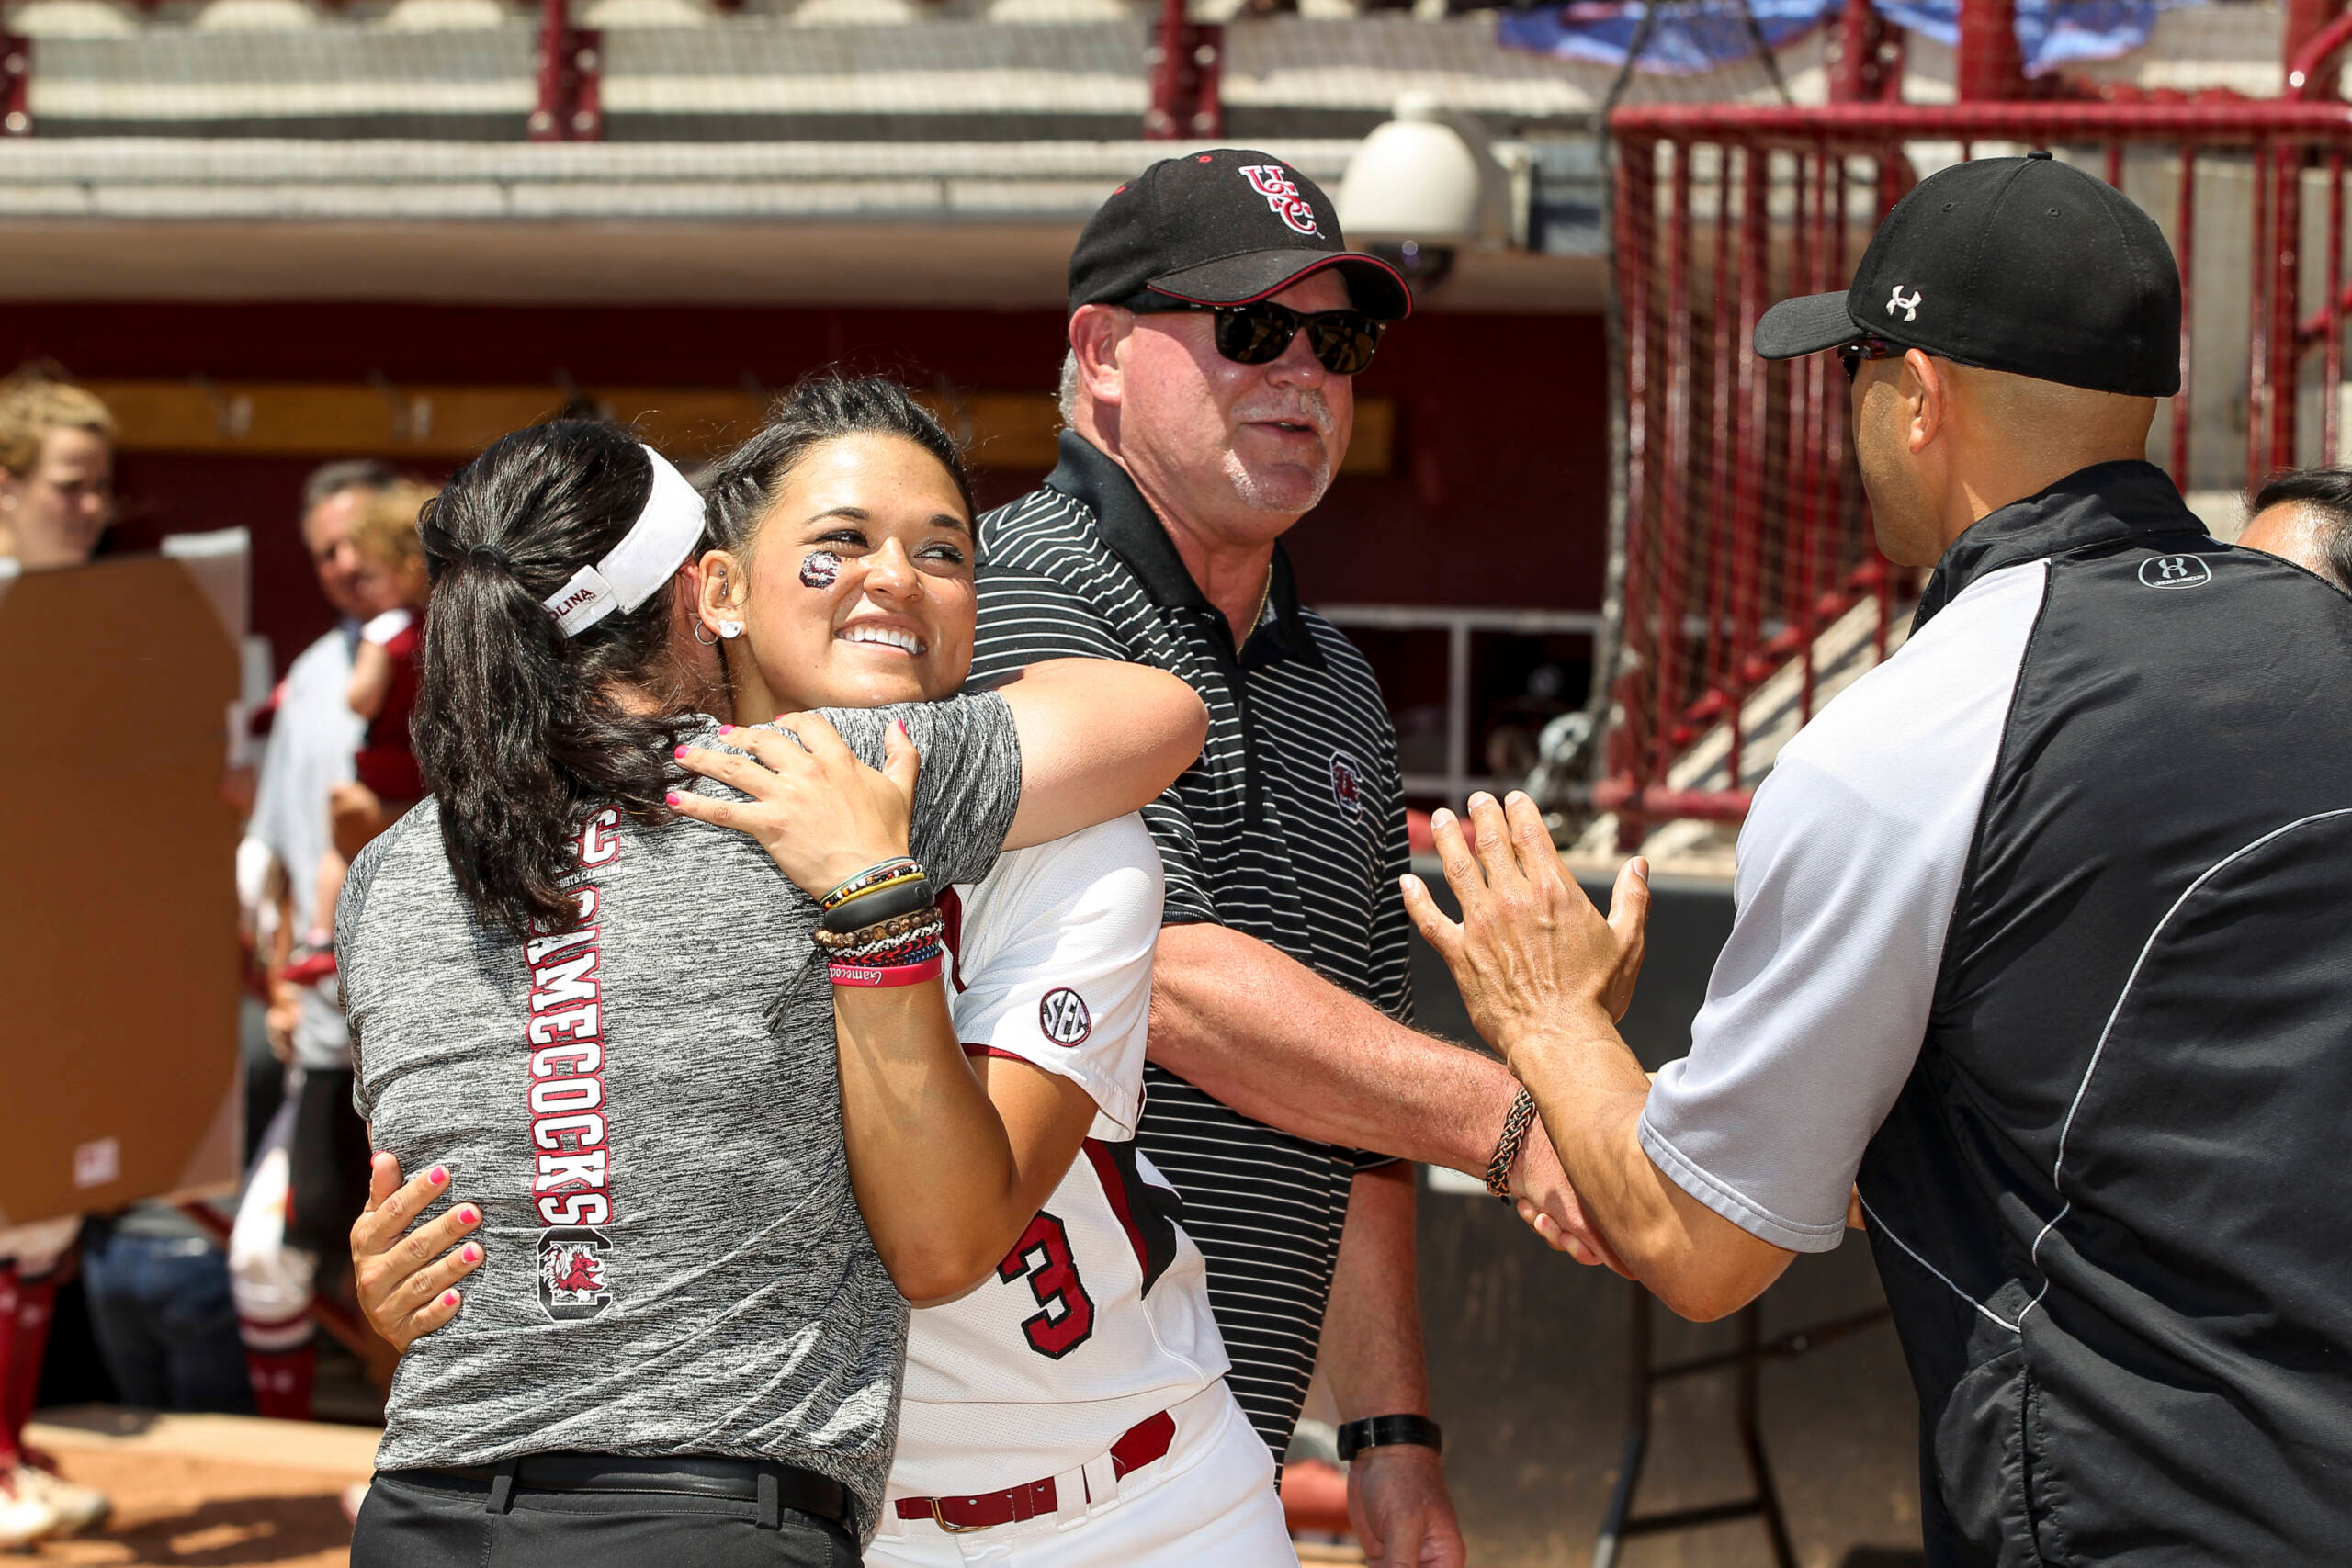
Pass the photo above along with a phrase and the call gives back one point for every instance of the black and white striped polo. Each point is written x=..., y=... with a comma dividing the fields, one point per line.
x=1291, y=829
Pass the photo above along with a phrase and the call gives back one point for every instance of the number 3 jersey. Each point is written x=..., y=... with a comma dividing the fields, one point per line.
x=1099, y=1317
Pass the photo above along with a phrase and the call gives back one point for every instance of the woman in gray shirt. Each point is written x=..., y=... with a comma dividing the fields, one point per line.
x=611, y=1022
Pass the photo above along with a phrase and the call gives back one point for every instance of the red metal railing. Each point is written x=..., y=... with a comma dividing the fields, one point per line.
x=1745, y=531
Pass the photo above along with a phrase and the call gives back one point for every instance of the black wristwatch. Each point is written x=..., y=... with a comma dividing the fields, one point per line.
x=1380, y=1431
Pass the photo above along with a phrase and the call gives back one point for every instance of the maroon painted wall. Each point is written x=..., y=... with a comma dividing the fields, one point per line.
x=1498, y=494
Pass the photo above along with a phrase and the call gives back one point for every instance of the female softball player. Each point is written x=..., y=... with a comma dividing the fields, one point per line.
x=1071, y=1405
x=688, y=1341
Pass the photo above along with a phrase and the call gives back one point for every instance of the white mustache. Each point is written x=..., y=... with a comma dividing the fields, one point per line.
x=1310, y=410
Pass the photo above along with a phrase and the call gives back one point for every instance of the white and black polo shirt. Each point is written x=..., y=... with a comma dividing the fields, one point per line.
x=2045, y=930
x=1291, y=829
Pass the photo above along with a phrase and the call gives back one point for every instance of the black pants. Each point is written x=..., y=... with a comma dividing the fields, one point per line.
x=327, y=1165
x=420, y=1519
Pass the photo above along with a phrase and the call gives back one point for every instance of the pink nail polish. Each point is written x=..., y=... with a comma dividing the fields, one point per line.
x=470, y=1214
x=671, y=798
x=448, y=1298
x=438, y=1177
x=678, y=753
x=473, y=1253
x=726, y=730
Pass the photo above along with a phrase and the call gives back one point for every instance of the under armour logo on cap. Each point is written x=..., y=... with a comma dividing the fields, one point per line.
x=1910, y=308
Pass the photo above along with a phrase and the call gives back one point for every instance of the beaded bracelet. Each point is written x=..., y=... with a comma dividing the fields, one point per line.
x=900, y=950
x=873, y=876
x=925, y=927
x=898, y=926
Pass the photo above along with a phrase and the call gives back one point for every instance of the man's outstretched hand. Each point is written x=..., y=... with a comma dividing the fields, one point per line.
x=1530, y=950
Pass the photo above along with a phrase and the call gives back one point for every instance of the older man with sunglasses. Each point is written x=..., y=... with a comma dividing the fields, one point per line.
x=1217, y=323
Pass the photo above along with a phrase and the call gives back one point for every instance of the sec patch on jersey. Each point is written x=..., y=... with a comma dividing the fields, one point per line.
x=1062, y=1017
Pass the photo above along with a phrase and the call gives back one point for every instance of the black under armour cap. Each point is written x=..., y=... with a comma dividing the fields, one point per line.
x=2023, y=265
x=1226, y=227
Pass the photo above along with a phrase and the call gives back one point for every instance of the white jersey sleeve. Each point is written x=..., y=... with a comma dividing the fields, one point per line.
x=385, y=627
x=1052, y=963
x=1098, y=1317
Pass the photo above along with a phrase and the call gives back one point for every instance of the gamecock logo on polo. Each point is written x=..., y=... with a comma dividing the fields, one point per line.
x=1273, y=182
x=1347, y=784
x=572, y=1284
x=1062, y=1015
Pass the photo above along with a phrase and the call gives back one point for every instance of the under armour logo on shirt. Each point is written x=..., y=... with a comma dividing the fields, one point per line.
x=1910, y=308
x=2175, y=571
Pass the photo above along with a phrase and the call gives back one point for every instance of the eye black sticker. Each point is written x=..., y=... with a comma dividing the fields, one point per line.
x=819, y=568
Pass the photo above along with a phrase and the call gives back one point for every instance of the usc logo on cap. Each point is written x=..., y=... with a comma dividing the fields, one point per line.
x=1273, y=182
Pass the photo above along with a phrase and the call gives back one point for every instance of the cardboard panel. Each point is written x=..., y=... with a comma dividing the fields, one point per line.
x=117, y=904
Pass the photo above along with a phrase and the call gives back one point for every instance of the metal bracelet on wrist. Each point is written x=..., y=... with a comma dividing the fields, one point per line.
x=1516, y=1122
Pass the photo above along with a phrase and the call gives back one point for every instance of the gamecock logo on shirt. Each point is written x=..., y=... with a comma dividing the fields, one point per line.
x=572, y=1284
x=1273, y=182
x=1347, y=784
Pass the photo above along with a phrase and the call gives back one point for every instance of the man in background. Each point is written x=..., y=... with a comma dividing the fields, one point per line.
x=2305, y=515
x=303, y=1178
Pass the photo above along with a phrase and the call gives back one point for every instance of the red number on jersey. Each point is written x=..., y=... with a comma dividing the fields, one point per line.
x=1042, y=1253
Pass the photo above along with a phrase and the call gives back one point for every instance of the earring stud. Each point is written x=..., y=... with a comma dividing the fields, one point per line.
x=730, y=628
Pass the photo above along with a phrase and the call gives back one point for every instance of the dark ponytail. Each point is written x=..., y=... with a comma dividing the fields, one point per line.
x=517, y=727
x=821, y=408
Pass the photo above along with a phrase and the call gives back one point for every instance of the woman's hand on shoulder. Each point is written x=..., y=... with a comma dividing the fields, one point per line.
x=821, y=815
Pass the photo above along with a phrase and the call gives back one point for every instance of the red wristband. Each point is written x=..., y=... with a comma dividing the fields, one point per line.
x=874, y=977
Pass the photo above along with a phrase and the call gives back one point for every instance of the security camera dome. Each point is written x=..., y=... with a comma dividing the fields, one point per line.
x=1415, y=178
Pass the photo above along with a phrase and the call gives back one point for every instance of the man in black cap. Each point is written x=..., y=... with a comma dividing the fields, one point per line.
x=1216, y=324
x=2044, y=933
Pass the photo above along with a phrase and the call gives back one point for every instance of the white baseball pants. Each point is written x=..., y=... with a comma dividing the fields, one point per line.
x=1210, y=1499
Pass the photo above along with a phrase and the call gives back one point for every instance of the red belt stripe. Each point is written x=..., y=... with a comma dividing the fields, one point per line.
x=1141, y=1444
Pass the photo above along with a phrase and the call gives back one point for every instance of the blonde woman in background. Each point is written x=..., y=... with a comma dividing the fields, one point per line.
x=391, y=589
x=56, y=471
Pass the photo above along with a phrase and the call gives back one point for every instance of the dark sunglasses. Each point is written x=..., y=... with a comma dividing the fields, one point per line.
x=1256, y=335
x=1852, y=354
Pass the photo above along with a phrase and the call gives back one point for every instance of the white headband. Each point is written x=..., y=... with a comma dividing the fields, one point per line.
x=649, y=555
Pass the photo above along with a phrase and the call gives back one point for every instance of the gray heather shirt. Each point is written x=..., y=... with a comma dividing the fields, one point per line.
x=648, y=1112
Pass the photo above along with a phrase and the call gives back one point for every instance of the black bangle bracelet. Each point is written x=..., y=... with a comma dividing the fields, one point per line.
x=1381, y=1431
x=903, y=898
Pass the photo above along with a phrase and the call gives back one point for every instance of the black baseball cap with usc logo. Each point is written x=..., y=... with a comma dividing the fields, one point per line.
x=2023, y=265
x=1225, y=227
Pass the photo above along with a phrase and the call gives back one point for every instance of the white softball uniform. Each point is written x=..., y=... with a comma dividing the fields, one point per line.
x=1097, y=1324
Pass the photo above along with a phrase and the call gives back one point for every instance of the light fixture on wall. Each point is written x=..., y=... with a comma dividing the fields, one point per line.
x=1423, y=187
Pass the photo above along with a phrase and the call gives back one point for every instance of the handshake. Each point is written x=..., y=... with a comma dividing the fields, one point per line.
x=1538, y=967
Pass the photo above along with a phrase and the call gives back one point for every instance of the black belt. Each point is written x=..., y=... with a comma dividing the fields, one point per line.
x=774, y=1487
